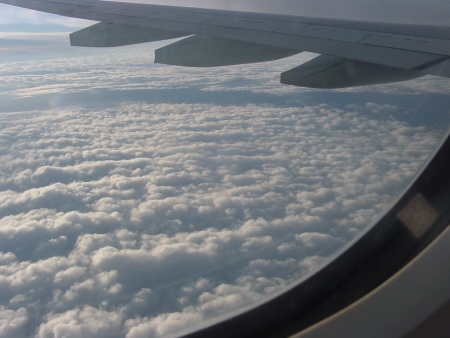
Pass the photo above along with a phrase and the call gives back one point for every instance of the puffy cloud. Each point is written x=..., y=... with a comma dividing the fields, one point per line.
x=13, y=323
x=82, y=322
x=138, y=203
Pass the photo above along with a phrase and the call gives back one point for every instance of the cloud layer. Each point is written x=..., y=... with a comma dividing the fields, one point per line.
x=140, y=200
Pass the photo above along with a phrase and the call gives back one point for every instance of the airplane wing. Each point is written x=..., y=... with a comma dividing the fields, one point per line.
x=352, y=53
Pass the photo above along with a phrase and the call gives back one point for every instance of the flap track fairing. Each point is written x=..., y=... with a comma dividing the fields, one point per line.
x=108, y=34
x=330, y=72
x=207, y=51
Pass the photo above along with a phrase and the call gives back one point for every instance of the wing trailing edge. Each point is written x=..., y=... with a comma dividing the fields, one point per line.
x=324, y=71
x=353, y=53
x=194, y=51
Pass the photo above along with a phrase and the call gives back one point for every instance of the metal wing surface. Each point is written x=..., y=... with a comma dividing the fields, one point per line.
x=353, y=53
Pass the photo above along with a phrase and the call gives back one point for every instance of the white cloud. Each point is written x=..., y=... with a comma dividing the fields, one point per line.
x=12, y=322
x=82, y=322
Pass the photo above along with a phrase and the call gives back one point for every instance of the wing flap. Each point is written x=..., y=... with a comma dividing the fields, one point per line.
x=207, y=51
x=109, y=34
x=330, y=72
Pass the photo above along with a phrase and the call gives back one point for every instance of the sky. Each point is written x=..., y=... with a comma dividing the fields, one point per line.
x=138, y=200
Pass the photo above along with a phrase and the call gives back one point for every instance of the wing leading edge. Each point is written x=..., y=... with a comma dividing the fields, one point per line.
x=353, y=53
